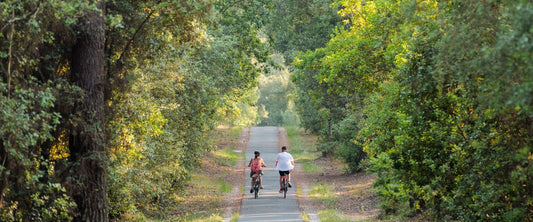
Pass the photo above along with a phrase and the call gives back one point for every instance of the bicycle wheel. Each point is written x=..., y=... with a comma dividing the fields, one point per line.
x=256, y=189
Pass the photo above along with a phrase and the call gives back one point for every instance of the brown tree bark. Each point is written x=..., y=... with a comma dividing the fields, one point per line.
x=86, y=142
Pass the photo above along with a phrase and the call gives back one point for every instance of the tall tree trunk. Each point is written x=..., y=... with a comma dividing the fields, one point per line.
x=86, y=142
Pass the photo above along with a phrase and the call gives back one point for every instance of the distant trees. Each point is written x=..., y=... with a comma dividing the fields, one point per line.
x=274, y=94
x=106, y=105
x=300, y=26
x=292, y=26
x=437, y=95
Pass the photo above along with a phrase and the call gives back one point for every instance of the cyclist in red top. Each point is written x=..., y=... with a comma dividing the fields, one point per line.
x=256, y=165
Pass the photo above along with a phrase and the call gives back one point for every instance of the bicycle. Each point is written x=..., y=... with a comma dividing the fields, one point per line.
x=257, y=185
x=284, y=185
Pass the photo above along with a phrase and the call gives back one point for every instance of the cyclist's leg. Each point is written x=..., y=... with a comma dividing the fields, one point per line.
x=252, y=183
x=281, y=174
x=252, y=180
x=289, y=178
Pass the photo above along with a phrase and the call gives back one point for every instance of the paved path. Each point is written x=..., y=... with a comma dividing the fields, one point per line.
x=270, y=206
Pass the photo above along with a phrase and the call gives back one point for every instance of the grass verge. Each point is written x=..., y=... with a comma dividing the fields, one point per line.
x=325, y=193
x=332, y=215
x=204, y=198
x=303, y=149
x=226, y=156
x=312, y=168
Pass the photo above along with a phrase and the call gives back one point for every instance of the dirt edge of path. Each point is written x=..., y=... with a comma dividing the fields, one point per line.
x=234, y=198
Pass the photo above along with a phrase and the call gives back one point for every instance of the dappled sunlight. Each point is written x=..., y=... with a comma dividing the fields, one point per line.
x=361, y=189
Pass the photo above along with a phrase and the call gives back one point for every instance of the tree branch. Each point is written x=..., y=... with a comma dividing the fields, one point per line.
x=130, y=41
x=13, y=20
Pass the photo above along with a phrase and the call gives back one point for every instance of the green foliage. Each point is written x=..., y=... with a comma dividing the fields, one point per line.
x=349, y=150
x=333, y=81
x=174, y=69
x=300, y=25
x=27, y=122
x=437, y=95
x=304, y=104
x=163, y=122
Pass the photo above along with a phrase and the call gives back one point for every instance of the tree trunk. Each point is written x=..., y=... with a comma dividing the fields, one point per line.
x=86, y=142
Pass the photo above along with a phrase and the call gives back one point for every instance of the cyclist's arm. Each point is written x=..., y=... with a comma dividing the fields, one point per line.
x=263, y=163
x=250, y=163
x=292, y=160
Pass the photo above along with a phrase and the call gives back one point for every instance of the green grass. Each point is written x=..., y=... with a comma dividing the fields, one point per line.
x=325, y=193
x=332, y=216
x=294, y=136
x=304, y=151
x=301, y=149
x=336, y=215
x=226, y=157
x=224, y=187
x=312, y=168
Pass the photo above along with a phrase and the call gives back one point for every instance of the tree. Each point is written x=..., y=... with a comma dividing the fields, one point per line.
x=348, y=69
x=298, y=26
x=173, y=94
x=437, y=95
x=35, y=101
x=87, y=140
x=438, y=144
x=67, y=63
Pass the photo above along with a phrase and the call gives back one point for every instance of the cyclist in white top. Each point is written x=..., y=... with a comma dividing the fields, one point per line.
x=284, y=164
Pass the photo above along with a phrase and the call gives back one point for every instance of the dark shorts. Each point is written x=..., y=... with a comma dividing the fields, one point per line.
x=252, y=173
x=283, y=173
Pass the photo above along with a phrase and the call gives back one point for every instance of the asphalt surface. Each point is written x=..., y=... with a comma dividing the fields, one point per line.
x=270, y=205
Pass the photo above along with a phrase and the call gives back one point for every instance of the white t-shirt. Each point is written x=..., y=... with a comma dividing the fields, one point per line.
x=284, y=161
